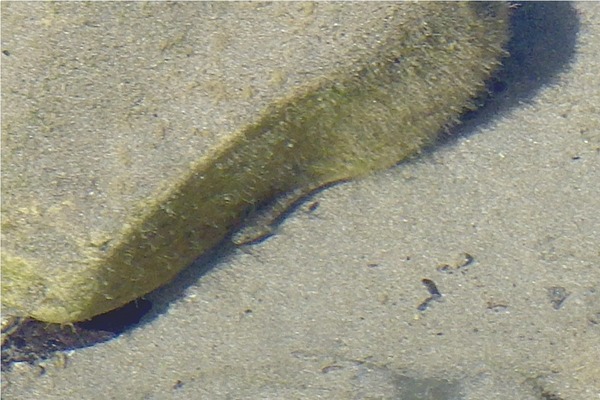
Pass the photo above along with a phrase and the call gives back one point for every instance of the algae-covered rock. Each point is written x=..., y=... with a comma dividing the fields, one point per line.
x=136, y=135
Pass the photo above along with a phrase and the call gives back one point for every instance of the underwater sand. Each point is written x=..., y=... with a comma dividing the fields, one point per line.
x=502, y=216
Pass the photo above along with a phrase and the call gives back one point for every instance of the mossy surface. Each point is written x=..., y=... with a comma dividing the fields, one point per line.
x=430, y=60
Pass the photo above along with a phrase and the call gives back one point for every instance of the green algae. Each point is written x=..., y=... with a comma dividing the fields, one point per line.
x=342, y=126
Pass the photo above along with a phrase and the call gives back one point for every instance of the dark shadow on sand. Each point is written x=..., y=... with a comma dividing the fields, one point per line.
x=542, y=45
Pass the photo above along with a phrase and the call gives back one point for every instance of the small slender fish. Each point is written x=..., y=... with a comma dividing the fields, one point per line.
x=262, y=223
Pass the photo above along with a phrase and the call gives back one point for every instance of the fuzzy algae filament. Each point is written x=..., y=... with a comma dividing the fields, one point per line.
x=421, y=77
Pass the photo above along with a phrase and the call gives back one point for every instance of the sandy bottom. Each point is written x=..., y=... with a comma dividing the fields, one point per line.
x=503, y=217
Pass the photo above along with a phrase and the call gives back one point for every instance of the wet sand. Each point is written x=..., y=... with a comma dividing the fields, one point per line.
x=502, y=216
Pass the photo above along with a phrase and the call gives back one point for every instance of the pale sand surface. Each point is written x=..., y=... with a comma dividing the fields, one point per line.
x=327, y=308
